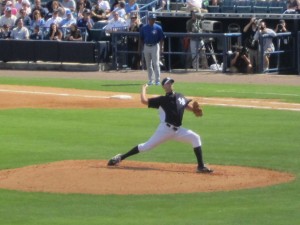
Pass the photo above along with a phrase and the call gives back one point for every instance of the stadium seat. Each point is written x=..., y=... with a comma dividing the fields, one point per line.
x=261, y=3
x=228, y=6
x=276, y=10
x=243, y=9
x=228, y=9
x=260, y=9
x=213, y=8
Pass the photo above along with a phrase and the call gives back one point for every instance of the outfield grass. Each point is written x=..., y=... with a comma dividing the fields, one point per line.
x=231, y=136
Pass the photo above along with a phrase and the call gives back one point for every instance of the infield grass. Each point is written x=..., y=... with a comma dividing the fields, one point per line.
x=231, y=136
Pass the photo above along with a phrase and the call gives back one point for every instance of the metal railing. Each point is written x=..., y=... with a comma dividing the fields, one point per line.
x=224, y=38
x=222, y=55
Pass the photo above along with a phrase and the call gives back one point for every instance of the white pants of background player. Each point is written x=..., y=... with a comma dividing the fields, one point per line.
x=151, y=54
x=164, y=133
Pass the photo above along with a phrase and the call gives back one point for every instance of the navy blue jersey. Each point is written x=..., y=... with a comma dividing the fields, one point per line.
x=151, y=34
x=171, y=107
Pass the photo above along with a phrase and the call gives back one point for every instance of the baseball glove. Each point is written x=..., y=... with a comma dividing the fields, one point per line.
x=197, y=110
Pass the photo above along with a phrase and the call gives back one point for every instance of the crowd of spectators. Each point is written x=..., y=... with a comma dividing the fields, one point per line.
x=72, y=20
x=69, y=20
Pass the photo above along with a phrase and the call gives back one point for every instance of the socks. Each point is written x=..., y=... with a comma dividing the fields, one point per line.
x=198, y=153
x=133, y=151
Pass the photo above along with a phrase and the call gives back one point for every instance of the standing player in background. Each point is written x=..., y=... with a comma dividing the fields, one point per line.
x=197, y=48
x=152, y=40
x=171, y=108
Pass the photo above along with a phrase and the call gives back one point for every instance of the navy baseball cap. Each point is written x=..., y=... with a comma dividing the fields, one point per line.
x=167, y=80
x=152, y=16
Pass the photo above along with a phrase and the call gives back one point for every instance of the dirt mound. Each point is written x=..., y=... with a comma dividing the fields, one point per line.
x=131, y=177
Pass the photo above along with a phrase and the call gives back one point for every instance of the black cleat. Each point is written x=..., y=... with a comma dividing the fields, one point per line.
x=114, y=160
x=204, y=170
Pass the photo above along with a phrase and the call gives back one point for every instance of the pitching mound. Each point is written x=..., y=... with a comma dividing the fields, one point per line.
x=94, y=177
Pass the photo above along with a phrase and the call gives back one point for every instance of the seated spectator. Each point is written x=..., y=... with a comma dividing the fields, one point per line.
x=54, y=33
x=75, y=34
x=79, y=10
x=20, y=32
x=8, y=18
x=98, y=14
x=26, y=6
x=49, y=5
x=14, y=10
x=5, y=32
x=56, y=6
x=86, y=4
x=26, y=19
x=195, y=5
x=104, y=5
x=18, y=5
x=293, y=5
x=54, y=19
x=131, y=6
x=69, y=4
x=121, y=11
x=37, y=20
x=38, y=6
x=214, y=2
x=66, y=22
x=240, y=63
x=36, y=34
x=115, y=24
x=86, y=22
x=114, y=5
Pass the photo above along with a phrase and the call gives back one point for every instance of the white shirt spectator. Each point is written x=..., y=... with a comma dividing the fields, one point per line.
x=8, y=18
x=267, y=42
x=54, y=19
x=195, y=3
x=117, y=23
x=121, y=12
x=20, y=32
x=18, y=5
x=26, y=6
x=69, y=4
x=103, y=4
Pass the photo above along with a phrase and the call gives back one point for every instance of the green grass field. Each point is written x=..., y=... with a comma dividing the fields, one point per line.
x=231, y=136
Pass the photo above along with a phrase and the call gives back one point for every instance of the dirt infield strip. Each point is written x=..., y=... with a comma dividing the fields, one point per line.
x=94, y=177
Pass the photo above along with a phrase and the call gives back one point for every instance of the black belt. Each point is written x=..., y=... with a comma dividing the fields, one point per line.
x=172, y=127
x=150, y=45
